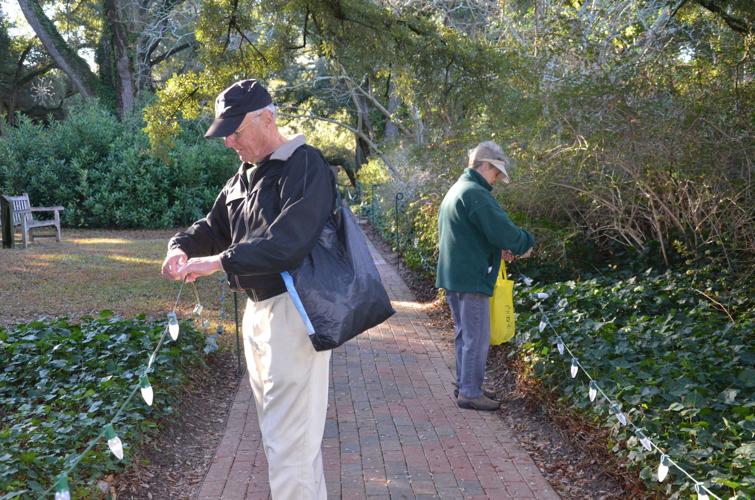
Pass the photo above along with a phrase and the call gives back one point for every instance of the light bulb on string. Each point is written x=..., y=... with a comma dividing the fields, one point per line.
x=701, y=493
x=644, y=440
x=62, y=491
x=527, y=280
x=619, y=414
x=114, y=442
x=146, y=389
x=542, y=325
x=541, y=295
x=198, y=309
x=663, y=466
x=560, y=345
x=173, y=325
x=205, y=324
x=593, y=391
x=574, y=367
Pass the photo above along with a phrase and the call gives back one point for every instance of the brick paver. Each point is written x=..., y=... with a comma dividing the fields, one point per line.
x=393, y=427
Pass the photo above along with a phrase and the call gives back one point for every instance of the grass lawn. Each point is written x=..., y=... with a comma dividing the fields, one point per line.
x=93, y=270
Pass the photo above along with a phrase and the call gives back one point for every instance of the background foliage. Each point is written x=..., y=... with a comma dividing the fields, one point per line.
x=681, y=365
x=99, y=168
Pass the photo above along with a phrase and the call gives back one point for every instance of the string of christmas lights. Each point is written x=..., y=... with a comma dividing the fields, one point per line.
x=665, y=463
x=172, y=329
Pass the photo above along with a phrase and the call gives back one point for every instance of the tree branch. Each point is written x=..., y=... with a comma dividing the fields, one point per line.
x=303, y=33
x=735, y=23
x=243, y=36
x=354, y=86
x=33, y=74
x=356, y=132
x=172, y=52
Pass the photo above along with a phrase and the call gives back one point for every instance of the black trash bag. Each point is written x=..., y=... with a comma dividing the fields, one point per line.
x=337, y=288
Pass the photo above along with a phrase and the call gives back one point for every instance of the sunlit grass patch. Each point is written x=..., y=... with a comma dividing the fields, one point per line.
x=115, y=270
x=100, y=241
x=135, y=260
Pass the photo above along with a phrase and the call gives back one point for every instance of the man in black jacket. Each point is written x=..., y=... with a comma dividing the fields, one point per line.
x=265, y=220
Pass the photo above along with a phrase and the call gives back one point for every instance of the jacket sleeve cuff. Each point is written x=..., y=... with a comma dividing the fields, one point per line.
x=225, y=261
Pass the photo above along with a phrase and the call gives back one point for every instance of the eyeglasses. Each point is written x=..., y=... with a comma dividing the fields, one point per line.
x=237, y=133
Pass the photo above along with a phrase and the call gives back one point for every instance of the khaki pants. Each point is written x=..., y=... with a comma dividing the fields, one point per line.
x=290, y=385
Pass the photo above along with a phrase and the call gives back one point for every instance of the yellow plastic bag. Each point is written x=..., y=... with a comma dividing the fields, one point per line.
x=502, y=309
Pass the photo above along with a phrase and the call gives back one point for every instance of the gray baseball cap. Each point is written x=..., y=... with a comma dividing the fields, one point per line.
x=492, y=153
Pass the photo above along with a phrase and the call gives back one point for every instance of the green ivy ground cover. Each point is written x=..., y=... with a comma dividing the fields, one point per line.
x=61, y=382
x=678, y=364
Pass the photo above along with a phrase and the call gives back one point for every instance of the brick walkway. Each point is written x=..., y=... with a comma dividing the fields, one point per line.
x=393, y=428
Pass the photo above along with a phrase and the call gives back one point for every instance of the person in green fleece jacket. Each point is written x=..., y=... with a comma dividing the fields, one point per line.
x=474, y=234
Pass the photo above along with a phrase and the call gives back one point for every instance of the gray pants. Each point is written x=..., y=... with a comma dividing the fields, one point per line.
x=471, y=314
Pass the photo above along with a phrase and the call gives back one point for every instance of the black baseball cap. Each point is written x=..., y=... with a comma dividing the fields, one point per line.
x=232, y=105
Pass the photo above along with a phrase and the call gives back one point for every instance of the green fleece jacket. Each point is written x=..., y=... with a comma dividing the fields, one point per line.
x=473, y=229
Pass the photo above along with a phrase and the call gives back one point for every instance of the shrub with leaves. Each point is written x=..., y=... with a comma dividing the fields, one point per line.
x=61, y=382
x=100, y=169
x=675, y=350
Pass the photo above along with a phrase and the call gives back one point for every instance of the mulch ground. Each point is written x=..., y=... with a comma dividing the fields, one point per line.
x=174, y=462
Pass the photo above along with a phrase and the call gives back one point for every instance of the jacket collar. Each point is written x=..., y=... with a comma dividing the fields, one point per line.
x=475, y=177
x=286, y=149
x=283, y=152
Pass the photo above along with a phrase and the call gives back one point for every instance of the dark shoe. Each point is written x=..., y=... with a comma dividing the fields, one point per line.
x=481, y=403
x=485, y=392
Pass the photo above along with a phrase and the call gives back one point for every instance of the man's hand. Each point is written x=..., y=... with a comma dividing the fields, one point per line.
x=526, y=254
x=174, y=260
x=507, y=256
x=200, y=266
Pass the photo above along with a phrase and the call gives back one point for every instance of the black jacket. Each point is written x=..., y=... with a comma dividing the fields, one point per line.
x=267, y=224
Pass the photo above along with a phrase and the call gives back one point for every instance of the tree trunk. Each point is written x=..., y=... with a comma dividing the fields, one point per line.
x=362, y=148
x=391, y=130
x=82, y=78
x=123, y=79
x=419, y=126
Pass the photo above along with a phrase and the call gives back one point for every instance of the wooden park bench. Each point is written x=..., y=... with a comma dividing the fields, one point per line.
x=18, y=212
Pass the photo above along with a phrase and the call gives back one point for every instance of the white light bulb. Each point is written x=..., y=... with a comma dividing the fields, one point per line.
x=701, y=493
x=593, y=390
x=574, y=367
x=146, y=389
x=205, y=324
x=542, y=295
x=644, y=441
x=114, y=442
x=173, y=325
x=663, y=468
x=560, y=345
x=542, y=325
x=62, y=491
x=63, y=495
x=198, y=309
x=619, y=415
x=527, y=281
